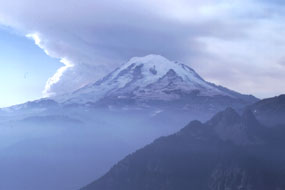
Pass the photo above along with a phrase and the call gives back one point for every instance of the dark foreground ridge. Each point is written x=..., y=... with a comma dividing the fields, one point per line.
x=229, y=152
x=270, y=111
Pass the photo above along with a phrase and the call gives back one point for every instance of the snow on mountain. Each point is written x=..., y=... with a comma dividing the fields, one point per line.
x=152, y=77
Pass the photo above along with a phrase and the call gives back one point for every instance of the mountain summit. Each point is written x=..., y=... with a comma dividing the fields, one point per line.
x=150, y=78
x=151, y=85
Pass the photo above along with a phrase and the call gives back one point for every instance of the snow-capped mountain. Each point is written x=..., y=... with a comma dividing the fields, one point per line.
x=150, y=78
x=151, y=83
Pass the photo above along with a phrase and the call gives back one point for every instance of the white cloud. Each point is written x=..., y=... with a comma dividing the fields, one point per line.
x=234, y=43
x=55, y=79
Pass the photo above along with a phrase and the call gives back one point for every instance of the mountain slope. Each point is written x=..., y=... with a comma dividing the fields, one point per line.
x=228, y=152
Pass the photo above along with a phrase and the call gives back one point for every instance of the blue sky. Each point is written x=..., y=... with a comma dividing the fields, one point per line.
x=238, y=44
x=24, y=68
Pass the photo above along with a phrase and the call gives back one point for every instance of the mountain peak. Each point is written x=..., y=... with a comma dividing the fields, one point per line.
x=146, y=79
x=229, y=125
x=152, y=58
x=227, y=117
x=156, y=66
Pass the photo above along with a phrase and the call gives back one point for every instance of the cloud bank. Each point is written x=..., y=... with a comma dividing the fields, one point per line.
x=236, y=43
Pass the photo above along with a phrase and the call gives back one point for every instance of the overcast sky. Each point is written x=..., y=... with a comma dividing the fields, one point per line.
x=239, y=44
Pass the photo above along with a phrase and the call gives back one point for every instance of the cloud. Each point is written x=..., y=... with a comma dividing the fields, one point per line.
x=221, y=39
